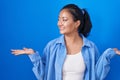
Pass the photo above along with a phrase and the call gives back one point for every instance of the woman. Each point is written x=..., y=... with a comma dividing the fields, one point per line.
x=71, y=56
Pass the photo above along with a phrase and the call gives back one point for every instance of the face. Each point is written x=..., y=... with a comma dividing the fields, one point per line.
x=66, y=23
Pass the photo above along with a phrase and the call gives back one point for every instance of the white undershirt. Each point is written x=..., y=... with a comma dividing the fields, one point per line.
x=74, y=67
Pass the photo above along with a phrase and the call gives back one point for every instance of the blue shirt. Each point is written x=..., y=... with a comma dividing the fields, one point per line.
x=49, y=66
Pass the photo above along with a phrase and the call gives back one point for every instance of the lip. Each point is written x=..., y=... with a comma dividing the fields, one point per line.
x=61, y=28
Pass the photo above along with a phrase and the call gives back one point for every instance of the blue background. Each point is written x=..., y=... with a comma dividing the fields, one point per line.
x=32, y=23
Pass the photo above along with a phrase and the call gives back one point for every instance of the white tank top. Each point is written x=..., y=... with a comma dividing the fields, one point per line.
x=74, y=67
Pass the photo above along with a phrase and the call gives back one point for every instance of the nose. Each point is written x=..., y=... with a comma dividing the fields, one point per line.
x=60, y=23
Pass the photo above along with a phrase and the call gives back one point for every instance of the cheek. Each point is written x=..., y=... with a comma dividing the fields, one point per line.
x=69, y=26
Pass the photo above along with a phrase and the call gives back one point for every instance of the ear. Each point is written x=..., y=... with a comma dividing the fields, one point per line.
x=77, y=23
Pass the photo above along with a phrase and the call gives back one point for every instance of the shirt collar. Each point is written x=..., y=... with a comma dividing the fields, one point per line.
x=86, y=42
x=61, y=40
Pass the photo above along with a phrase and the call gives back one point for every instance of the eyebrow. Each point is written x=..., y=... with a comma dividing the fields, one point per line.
x=62, y=17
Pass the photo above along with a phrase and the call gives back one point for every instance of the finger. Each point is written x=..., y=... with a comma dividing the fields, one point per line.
x=16, y=54
x=118, y=52
x=15, y=50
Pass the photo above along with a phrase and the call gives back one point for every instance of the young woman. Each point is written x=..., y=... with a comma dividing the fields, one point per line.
x=71, y=56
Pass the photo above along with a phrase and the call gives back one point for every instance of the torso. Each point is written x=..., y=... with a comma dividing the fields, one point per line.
x=74, y=67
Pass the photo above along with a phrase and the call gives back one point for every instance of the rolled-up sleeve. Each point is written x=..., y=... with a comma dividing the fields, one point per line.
x=102, y=66
x=38, y=68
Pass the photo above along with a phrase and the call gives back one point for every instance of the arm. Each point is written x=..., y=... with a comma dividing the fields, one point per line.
x=36, y=59
x=39, y=65
x=102, y=65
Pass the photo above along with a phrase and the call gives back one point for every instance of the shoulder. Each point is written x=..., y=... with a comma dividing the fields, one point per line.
x=55, y=41
x=53, y=45
x=88, y=43
x=92, y=49
x=92, y=44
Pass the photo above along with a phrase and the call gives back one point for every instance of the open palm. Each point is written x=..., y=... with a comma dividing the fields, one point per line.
x=22, y=51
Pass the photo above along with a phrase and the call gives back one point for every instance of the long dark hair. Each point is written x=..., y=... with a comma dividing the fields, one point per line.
x=83, y=16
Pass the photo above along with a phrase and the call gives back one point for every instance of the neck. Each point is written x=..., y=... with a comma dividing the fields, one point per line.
x=73, y=38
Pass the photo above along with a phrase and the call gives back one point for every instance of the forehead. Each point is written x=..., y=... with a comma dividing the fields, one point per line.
x=65, y=13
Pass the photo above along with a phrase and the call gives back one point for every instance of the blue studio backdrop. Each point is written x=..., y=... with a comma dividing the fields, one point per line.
x=32, y=23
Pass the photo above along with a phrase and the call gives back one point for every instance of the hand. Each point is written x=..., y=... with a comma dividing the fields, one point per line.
x=23, y=51
x=117, y=51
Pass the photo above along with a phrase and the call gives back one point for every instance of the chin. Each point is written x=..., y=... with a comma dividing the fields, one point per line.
x=62, y=32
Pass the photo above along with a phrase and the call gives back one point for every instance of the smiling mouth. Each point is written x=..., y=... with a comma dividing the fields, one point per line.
x=61, y=28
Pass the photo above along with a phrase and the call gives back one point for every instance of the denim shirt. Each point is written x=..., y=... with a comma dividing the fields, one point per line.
x=49, y=65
